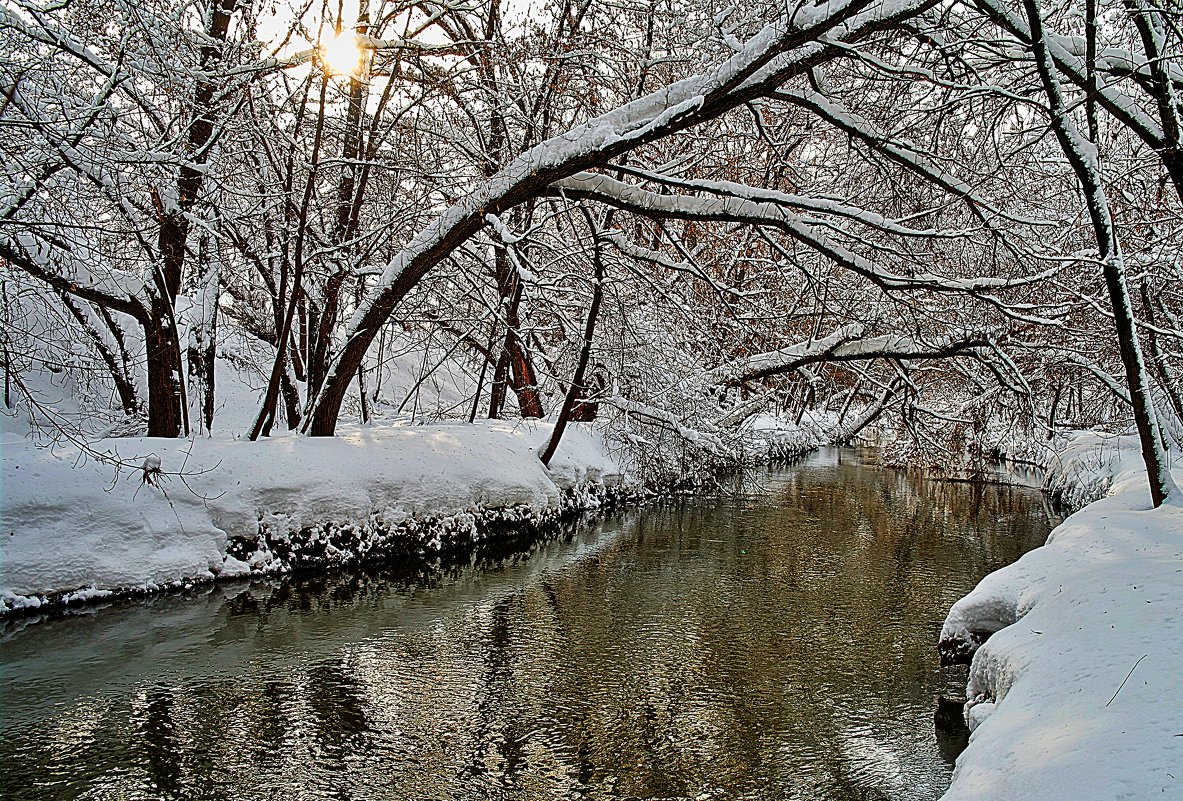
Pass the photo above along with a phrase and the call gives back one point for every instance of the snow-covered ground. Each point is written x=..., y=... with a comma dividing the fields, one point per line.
x=1078, y=693
x=76, y=527
x=74, y=524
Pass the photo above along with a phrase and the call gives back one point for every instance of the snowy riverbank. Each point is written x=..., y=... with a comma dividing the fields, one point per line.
x=75, y=529
x=1077, y=692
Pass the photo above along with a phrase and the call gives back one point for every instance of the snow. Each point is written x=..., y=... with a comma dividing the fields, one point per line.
x=760, y=207
x=1076, y=694
x=73, y=525
x=774, y=437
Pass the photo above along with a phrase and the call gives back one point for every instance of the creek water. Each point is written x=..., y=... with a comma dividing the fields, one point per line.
x=776, y=641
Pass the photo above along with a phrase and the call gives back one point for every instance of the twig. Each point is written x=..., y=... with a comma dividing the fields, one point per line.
x=85, y=449
x=1127, y=678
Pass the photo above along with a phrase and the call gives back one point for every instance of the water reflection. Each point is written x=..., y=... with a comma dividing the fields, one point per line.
x=774, y=642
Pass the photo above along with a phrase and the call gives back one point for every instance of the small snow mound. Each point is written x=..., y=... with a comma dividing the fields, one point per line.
x=233, y=567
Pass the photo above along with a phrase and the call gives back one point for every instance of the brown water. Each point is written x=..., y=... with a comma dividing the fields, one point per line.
x=772, y=643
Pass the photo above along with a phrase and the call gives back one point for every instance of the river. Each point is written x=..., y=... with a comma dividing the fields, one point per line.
x=775, y=641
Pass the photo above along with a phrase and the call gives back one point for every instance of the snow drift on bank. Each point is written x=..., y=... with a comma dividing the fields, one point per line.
x=1078, y=693
x=73, y=524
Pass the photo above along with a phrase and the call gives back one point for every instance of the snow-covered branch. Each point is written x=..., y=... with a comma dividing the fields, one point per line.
x=846, y=344
x=765, y=208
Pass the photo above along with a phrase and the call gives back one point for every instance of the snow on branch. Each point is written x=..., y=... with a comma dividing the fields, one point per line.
x=847, y=121
x=36, y=258
x=636, y=252
x=804, y=203
x=765, y=211
x=1066, y=58
x=38, y=28
x=668, y=420
x=675, y=107
x=846, y=344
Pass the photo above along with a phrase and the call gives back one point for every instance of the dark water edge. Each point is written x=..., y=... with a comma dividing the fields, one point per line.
x=776, y=641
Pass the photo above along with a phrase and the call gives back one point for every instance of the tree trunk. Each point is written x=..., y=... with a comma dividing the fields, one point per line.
x=166, y=394
x=203, y=337
x=513, y=365
x=167, y=409
x=322, y=331
x=577, y=387
x=1088, y=172
x=497, y=390
x=1051, y=415
x=291, y=399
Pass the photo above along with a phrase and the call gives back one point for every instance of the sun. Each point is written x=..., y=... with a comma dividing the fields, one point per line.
x=340, y=54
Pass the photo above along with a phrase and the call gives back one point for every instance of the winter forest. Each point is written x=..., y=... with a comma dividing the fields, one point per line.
x=958, y=216
x=279, y=265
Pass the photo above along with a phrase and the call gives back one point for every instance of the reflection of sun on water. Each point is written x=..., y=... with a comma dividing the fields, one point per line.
x=340, y=54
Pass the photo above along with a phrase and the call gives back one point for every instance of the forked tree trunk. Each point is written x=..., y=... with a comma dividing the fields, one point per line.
x=167, y=409
x=514, y=367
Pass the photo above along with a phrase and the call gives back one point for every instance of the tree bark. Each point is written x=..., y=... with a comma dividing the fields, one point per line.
x=1051, y=415
x=203, y=337
x=513, y=364
x=166, y=401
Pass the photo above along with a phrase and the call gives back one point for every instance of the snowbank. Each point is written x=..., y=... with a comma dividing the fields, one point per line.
x=1078, y=693
x=73, y=528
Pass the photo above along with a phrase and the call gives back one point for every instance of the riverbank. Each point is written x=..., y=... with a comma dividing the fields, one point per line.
x=175, y=513
x=179, y=512
x=1076, y=693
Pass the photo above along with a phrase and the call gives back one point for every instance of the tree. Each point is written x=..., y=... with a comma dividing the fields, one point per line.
x=782, y=49
x=139, y=171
